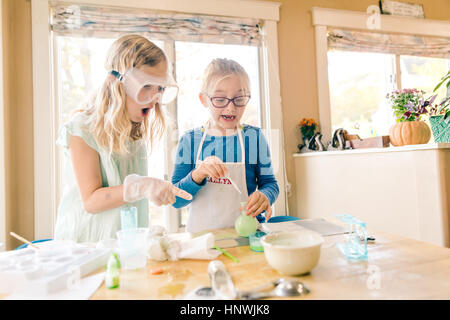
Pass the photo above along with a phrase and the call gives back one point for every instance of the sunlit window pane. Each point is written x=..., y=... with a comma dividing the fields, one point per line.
x=424, y=74
x=359, y=82
x=81, y=71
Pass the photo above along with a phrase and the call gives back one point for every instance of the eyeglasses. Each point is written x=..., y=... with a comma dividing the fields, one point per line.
x=222, y=102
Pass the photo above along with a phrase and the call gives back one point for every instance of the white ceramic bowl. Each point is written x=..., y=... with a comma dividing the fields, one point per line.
x=292, y=253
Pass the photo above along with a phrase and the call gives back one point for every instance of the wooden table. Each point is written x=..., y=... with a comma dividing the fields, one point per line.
x=397, y=268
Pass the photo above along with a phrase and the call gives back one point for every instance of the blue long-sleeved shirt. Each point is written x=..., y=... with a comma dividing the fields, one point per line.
x=258, y=165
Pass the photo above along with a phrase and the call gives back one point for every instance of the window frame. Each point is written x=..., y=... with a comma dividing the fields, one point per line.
x=2, y=147
x=323, y=18
x=44, y=98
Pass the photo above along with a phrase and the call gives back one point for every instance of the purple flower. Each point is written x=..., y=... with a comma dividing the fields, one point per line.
x=432, y=99
x=422, y=110
x=407, y=114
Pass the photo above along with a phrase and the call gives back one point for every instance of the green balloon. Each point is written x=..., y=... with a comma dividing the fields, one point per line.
x=245, y=225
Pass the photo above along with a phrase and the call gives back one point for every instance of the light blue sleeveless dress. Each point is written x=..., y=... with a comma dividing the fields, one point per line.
x=75, y=223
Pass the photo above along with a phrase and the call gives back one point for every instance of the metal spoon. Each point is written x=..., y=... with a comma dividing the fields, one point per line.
x=221, y=282
x=283, y=288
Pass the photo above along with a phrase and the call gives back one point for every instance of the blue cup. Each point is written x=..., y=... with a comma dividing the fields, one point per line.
x=255, y=243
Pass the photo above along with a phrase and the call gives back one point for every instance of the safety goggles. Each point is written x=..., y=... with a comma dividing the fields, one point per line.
x=145, y=88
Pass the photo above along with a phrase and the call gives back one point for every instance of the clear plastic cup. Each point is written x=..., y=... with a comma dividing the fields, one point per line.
x=128, y=217
x=132, y=245
x=255, y=243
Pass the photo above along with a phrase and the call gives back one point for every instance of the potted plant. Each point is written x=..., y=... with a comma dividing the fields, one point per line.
x=440, y=114
x=409, y=105
x=307, y=128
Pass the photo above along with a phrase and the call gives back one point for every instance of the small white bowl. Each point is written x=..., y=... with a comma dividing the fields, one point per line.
x=292, y=253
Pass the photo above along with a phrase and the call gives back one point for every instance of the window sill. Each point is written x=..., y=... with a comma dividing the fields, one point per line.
x=416, y=147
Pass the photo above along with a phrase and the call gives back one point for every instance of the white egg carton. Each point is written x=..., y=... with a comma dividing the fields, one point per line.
x=56, y=265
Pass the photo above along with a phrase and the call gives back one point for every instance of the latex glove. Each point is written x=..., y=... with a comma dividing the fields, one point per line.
x=257, y=203
x=158, y=191
x=210, y=167
x=156, y=250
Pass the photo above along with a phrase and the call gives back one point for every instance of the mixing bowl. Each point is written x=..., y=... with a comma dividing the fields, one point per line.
x=292, y=253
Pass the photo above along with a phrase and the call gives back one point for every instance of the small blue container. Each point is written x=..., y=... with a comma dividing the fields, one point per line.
x=282, y=219
x=255, y=243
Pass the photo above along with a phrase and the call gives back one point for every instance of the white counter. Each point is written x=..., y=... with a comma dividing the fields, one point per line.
x=428, y=146
x=401, y=190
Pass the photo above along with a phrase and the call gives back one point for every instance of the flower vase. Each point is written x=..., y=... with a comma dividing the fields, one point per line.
x=409, y=132
x=440, y=129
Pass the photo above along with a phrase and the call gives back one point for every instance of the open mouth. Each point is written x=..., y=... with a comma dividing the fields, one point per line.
x=145, y=111
x=228, y=118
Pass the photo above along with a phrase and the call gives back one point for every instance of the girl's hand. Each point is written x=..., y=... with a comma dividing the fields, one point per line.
x=210, y=167
x=257, y=203
x=159, y=192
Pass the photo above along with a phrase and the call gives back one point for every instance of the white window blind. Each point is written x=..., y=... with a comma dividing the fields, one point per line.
x=400, y=44
x=107, y=22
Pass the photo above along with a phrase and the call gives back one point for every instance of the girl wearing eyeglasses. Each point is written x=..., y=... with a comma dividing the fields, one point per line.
x=224, y=163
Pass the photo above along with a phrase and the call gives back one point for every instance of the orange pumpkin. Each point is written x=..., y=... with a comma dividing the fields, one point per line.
x=409, y=132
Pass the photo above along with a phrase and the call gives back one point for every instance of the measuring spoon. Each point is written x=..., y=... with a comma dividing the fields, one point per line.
x=283, y=288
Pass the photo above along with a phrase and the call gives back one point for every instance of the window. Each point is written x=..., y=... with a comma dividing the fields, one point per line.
x=358, y=85
x=359, y=82
x=79, y=67
x=353, y=58
x=424, y=73
x=363, y=67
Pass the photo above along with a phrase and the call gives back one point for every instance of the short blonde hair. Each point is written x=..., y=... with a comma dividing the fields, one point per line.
x=109, y=120
x=221, y=68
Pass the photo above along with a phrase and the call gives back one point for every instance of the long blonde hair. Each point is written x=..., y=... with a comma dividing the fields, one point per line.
x=108, y=118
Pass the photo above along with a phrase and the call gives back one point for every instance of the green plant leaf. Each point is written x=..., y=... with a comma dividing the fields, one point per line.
x=446, y=77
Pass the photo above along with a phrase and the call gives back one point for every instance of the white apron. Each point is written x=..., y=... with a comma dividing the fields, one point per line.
x=217, y=204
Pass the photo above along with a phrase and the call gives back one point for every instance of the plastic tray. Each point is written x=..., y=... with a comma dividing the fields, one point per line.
x=55, y=266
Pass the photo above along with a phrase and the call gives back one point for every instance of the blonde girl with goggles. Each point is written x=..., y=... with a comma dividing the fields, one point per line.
x=145, y=88
x=106, y=144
